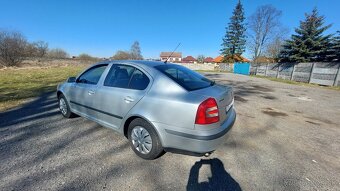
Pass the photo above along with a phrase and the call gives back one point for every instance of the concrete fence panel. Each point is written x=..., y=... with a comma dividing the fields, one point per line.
x=222, y=67
x=302, y=72
x=286, y=71
x=261, y=70
x=196, y=66
x=324, y=73
x=318, y=73
x=226, y=67
x=337, y=80
x=272, y=70
x=253, y=70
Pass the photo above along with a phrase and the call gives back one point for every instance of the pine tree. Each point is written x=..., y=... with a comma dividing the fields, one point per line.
x=336, y=47
x=234, y=40
x=308, y=44
x=334, y=52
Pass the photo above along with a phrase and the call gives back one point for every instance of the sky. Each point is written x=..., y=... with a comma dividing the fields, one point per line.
x=100, y=28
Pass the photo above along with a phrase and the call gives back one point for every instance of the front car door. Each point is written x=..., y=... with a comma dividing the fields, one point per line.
x=84, y=90
x=122, y=88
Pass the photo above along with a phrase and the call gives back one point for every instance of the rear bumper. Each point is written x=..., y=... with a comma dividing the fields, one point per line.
x=198, y=141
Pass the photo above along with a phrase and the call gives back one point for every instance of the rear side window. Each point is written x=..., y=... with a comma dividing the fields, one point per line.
x=122, y=76
x=139, y=80
x=185, y=77
x=92, y=75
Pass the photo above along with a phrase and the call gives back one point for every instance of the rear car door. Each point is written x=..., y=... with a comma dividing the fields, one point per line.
x=84, y=90
x=122, y=88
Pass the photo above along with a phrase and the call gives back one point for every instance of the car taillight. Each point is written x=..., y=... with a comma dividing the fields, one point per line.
x=207, y=112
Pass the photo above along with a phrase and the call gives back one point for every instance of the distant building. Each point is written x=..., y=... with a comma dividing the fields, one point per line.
x=208, y=60
x=152, y=59
x=189, y=59
x=175, y=57
x=218, y=59
x=263, y=59
x=237, y=58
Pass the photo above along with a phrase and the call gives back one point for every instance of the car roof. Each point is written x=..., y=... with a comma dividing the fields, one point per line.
x=144, y=64
x=138, y=62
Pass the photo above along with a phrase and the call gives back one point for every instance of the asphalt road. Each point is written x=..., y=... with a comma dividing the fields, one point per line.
x=286, y=137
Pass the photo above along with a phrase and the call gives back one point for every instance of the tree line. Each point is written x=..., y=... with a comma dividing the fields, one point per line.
x=15, y=48
x=134, y=53
x=264, y=35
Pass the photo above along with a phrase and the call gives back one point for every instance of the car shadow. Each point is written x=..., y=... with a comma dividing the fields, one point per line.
x=41, y=107
x=219, y=180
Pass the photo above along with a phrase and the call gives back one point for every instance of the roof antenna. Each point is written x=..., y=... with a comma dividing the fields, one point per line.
x=171, y=53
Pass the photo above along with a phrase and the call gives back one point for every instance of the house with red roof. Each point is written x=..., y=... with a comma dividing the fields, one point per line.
x=171, y=56
x=208, y=60
x=218, y=59
x=264, y=59
x=237, y=58
x=189, y=59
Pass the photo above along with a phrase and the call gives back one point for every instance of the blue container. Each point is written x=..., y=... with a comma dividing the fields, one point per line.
x=242, y=68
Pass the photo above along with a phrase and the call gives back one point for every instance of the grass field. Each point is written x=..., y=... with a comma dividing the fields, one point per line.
x=18, y=85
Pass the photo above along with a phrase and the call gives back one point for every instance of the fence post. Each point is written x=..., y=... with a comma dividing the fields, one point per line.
x=337, y=76
x=265, y=72
x=256, y=69
x=292, y=74
x=278, y=67
x=311, y=73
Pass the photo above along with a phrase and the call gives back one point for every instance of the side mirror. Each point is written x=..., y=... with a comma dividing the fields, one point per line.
x=71, y=80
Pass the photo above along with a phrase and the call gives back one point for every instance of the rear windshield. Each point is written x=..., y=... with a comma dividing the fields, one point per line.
x=185, y=77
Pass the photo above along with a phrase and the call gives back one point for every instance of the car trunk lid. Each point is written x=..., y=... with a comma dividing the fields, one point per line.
x=223, y=96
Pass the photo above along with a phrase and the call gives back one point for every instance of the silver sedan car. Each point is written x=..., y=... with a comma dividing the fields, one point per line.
x=157, y=106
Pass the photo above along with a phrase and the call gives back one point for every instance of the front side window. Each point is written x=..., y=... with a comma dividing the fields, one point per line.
x=92, y=75
x=185, y=77
x=123, y=76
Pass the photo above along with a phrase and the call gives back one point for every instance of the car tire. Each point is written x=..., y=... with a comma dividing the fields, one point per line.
x=64, y=108
x=140, y=133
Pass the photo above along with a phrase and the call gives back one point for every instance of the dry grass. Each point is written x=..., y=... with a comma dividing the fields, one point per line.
x=17, y=85
x=297, y=83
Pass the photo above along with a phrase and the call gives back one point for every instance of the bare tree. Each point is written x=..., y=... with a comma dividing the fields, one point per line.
x=264, y=25
x=200, y=58
x=122, y=55
x=87, y=57
x=12, y=48
x=58, y=53
x=36, y=49
x=41, y=48
x=135, y=51
x=274, y=47
x=31, y=50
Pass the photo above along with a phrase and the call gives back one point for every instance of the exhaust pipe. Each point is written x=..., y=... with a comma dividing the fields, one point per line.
x=207, y=154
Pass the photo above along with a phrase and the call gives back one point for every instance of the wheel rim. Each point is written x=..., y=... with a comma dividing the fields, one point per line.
x=62, y=106
x=141, y=139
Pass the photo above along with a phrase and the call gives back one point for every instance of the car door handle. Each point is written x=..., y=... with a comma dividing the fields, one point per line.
x=128, y=99
x=91, y=92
